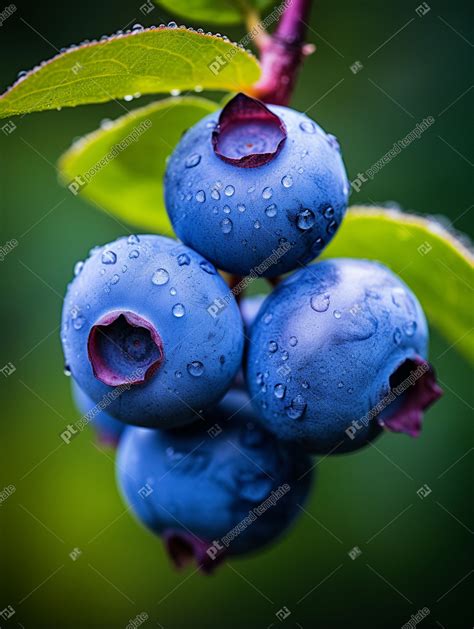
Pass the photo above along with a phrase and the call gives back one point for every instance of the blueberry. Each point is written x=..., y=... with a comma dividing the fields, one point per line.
x=194, y=485
x=256, y=187
x=108, y=429
x=330, y=354
x=140, y=332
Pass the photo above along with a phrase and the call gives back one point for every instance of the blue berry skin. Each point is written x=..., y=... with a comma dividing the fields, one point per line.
x=136, y=325
x=328, y=344
x=108, y=429
x=237, y=217
x=204, y=479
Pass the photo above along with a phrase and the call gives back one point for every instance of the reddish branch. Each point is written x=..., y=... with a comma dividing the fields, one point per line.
x=282, y=53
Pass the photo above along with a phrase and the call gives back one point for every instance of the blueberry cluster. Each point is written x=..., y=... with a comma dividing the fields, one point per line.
x=217, y=408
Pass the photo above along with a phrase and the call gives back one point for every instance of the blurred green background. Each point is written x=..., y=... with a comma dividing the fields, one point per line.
x=414, y=552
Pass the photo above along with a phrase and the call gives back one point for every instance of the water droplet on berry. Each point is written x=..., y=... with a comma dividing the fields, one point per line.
x=267, y=193
x=183, y=259
x=328, y=212
x=397, y=336
x=78, y=322
x=333, y=142
x=226, y=225
x=215, y=194
x=200, y=196
x=410, y=328
x=78, y=268
x=272, y=347
x=241, y=207
x=134, y=254
x=305, y=219
x=279, y=391
x=226, y=209
x=178, y=311
x=331, y=228
x=297, y=407
x=160, y=277
x=207, y=267
x=109, y=257
x=173, y=291
x=337, y=314
x=267, y=318
x=271, y=210
x=115, y=279
x=293, y=341
x=287, y=181
x=178, y=374
x=133, y=239
x=193, y=160
x=307, y=126
x=257, y=225
x=229, y=191
x=284, y=355
x=196, y=368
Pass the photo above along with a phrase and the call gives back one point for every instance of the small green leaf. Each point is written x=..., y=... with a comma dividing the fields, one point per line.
x=144, y=62
x=213, y=11
x=120, y=166
x=432, y=261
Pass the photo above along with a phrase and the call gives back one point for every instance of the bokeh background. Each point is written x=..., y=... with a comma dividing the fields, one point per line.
x=414, y=552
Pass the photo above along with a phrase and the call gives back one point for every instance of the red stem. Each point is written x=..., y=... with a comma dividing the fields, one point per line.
x=281, y=54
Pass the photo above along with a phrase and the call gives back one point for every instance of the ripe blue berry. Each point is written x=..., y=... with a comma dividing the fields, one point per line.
x=136, y=331
x=108, y=429
x=192, y=486
x=258, y=182
x=331, y=342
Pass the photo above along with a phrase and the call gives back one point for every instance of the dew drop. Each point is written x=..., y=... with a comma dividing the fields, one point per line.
x=115, y=279
x=267, y=193
x=172, y=25
x=410, y=328
x=127, y=98
x=397, y=336
x=196, y=368
x=307, y=126
x=333, y=142
x=200, y=196
x=337, y=314
x=134, y=254
x=287, y=181
x=173, y=291
x=279, y=391
x=293, y=341
x=215, y=194
x=305, y=219
x=297, y=407
x=193, y=160
x=271, y=210
x=78, y=322
x=257, y=225
x=178, y=311
x=229, y=191
x=133, y=239
x=226, y=225
x=331, y=228
x=207, y=267
x=267, y=318
x=183, y=259
x=328, y=212
x=272, y=347
x=284, y=355
x=78, y=268
x=109, y=257
x=241, y=207
x=226, y=209
x=160, y=277
x=178, y=374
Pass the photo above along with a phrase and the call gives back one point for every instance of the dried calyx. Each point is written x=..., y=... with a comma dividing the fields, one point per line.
x=248, y=134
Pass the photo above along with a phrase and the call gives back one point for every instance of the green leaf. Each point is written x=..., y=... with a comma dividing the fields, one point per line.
x=436, y=265
x=120, y=166
x=144, y=62
x=213, y=11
